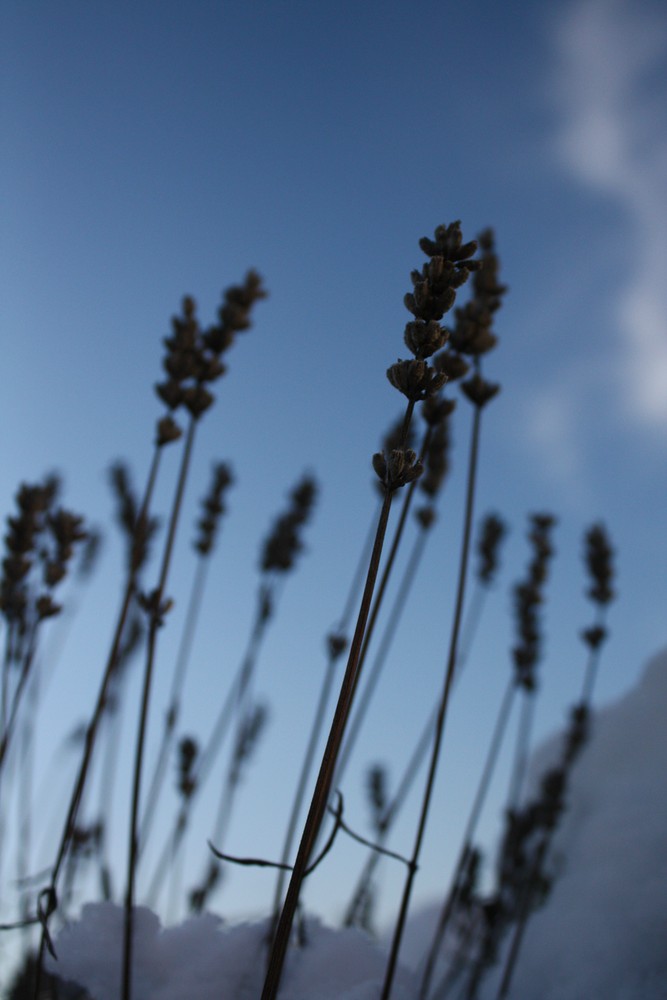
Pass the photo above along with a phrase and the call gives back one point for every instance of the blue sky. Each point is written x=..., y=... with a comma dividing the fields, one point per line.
x=154, y=149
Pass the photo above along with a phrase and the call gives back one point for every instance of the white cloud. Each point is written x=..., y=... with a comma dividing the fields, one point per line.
x=613, y=137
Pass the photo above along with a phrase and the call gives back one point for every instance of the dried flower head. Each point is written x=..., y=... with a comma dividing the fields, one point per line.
x=492, y=532
x=284, y=543
x=415, y=379
x=336, y=644
x=401, y=467
x=436, y=460
x=213, y=508
x=528, y=596
x=599, y=557
x=479, y=391
x=472, y=333
x=193, y=357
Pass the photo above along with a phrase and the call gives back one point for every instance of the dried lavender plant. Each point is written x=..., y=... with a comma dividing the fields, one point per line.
x=473, y=337
x=192, y=362
x=434, y=293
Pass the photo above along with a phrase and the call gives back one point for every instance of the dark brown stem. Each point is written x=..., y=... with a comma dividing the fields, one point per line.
x=309, y=755
x=442, y=711
x=325, y=777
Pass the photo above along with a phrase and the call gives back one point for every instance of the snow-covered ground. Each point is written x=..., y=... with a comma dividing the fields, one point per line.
x=602, y=936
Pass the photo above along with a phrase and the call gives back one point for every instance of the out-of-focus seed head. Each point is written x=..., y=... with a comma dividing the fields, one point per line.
x=599, y=556
x=479, y=391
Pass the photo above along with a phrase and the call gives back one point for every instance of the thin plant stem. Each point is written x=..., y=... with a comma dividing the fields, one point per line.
x=325, y=776
x=318, y=721
x=93, y=725
x=442, y=710
x=233, y=700
x=452, y=896
x=309, y=755
x=590, y=675
x=389, y=816
x=155, y=622
x=171, y=718
x=380, y=659
x=521, y=751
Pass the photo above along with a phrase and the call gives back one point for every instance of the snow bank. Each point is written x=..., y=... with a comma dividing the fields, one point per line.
x=203, y=959
x=603, y=933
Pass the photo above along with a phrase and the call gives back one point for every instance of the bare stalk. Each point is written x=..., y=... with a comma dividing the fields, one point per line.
x=442, y=710
x=156, y=610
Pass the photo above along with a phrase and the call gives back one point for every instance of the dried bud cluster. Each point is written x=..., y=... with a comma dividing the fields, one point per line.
x=284, y=543
x=400, y=468
x=38, y=535
x=451, y=364
x=433, y=294
x=492, y=533
x=415, y=379
x=479, y=390
x=193, y=358
x=213, y=508
x=599, y=560
x=376, y=785
x=472, y=334
x=248, y=738
x=527, y=598
x=188, y=751
x=436, y=460
x=396, y=437
x=138, y=529
x=336, y=644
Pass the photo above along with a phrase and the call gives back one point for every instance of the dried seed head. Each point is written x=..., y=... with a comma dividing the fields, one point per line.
x=197, y=399
x=415, y=379
x=167, y=431
x=213, y=508
x=594, y=636
x=170, y=393
x=599, y=560
x=473, y=333
x=492, y=532
x=436, y=460
x=479, y=391
x=284, y=543
x=376, y=785
x=336, y=644
x=426, y=517
x=448, y=244
x=436, y=409
x=528, y=595
x=401, y=467
x=450, y=364
x=424, y=338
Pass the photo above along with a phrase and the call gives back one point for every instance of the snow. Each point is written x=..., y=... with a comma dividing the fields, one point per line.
x=203, y=959
x=603, y=932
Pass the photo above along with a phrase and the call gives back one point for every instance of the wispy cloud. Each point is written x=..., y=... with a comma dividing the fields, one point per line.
x=613, y=137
